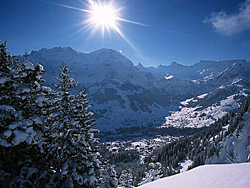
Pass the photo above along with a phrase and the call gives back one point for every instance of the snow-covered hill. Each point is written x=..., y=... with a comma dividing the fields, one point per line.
x=234, y=148
x=124, y=95
x=207, y=176
x=205, y=109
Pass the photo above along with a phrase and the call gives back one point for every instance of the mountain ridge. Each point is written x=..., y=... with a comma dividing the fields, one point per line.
x=125, y=95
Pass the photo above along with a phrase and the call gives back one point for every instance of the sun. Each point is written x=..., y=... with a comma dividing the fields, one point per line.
x=103, y=15
x=106, y=17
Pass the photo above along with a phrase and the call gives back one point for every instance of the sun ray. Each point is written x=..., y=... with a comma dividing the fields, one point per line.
x=130, y=21
x=65, y=6
x=103, y=17
x=117, y=29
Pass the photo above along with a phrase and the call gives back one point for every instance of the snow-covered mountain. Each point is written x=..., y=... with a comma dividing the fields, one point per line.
x=124, y=95
x=216, y=176
x=202, y=70
x=227, y=90
x=121, y=95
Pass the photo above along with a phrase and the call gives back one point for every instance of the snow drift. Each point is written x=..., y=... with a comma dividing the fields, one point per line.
x=230, y=175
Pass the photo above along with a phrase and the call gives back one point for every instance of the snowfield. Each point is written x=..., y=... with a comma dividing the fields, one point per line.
x=193, y=117
x=207, y=176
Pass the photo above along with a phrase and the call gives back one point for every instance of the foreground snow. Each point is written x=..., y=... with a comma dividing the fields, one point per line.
x=230, y=175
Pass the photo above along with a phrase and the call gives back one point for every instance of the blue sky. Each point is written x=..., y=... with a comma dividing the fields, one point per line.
x=177, y=30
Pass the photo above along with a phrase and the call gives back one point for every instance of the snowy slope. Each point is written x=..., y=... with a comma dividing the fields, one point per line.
x=230, y=87
x=203, y=110
x=216, y=176
x=235, y=148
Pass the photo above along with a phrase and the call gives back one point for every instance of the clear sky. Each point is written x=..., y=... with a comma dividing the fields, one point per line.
x=176, y=30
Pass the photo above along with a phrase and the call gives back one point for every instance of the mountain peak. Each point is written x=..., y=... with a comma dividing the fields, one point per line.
x=57, y=50
x=174, y=64
x=108, y=55
x=105, y=51
x=140, y=65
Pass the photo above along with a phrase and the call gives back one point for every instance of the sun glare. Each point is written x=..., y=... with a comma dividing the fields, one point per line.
x=103, y=15
x=106, y=17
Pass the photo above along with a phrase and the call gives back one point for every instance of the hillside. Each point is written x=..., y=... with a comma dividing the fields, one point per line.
x=205, y=109
x=224, y=141
x=236, y=147
x=207, y=176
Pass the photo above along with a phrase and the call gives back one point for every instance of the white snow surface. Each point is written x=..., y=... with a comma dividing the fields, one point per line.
x=195, y=118
x=204, y=70
x=29, y=65
x=207, y=176
x=235, y=148
x=20, y=136
x=7, y=108
x=184, y=165
x=202, y=96
x=169, y=77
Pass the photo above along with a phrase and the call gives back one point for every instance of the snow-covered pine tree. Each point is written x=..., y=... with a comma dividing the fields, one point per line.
x=71, y=148
x=19, y=114
x=7, y=112
x=155, y=172
x=7, y=91
x=109, y=176
x=126, y=179
x=21, y=99
x=30, y=99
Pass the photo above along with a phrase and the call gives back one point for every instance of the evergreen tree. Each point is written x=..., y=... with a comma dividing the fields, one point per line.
x=21, y=99
x=7, y=92
x=109, y=176
x=70, y=146
x=126, y=179
x=154, y=172
x=30, y=99
x=19, y=92
x=7, y=112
